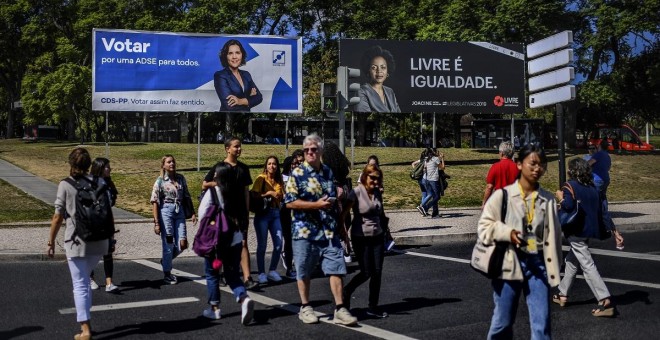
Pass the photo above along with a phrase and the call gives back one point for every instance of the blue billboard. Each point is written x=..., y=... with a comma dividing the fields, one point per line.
x=190, y=72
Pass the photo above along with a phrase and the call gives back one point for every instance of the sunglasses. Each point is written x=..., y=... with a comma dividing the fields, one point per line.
x=313, y=150
x=374, y=177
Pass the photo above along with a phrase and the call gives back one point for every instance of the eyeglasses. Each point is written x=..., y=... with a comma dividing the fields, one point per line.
x=374, y=177
x=535, y=166
x=312, y=150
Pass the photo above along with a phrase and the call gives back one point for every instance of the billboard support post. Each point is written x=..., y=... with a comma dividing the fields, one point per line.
x=107, y=147
x=560, y=143
x=199, y=145
x=434, y=140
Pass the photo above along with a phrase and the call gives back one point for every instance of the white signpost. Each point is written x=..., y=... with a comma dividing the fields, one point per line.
x=547, y=63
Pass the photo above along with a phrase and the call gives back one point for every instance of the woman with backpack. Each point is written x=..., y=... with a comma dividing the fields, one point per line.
x=580, y=188
x=227, y=252
x=82, y=256
x=167, y=196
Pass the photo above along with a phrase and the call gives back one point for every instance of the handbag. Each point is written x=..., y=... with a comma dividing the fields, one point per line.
x=571, y=221
x=487, y=259
x=385, y=225
x=259, y=204
x=188, y=208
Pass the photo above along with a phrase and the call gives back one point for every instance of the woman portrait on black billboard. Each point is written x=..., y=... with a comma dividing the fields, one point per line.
x=377, y=64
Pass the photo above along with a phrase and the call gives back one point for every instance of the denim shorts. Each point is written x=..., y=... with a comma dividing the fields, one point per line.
x=307, y=253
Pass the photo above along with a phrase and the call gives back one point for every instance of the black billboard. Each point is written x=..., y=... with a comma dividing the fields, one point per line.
x=443, y=77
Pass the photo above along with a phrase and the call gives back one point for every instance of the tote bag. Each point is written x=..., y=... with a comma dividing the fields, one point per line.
x=487, y=259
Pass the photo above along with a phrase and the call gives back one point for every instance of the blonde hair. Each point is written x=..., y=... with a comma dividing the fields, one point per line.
x=162, y=164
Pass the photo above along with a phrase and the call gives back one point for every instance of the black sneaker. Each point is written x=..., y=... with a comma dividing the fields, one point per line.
x=250, y=284
x=221, y=281
x=377, y=313
x=422, y=210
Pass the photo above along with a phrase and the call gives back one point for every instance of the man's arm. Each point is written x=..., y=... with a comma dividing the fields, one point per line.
x=487, y=193
x=307, y=205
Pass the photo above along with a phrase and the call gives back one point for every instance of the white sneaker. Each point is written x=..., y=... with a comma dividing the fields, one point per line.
x=263, y=279
x=111, y=288
x=211, y=313
x=274, y=276
x=307, y=315
x=247, y=311
x=344, y=317
x=93, y=285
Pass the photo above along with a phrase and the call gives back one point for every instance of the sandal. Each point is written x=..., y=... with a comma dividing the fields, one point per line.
x=603, y=310
x=559, y=299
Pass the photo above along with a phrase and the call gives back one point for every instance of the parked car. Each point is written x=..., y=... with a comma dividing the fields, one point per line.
x=622, y=137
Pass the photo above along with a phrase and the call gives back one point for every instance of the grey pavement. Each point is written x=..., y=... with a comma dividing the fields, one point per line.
x=137, y=240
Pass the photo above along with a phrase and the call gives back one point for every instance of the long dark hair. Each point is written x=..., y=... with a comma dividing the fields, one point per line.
x=98, y=166
x=286, y=165
x=278, y=171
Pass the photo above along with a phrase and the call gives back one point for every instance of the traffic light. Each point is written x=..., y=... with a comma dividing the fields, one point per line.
x=347, y=92
x=328, y=97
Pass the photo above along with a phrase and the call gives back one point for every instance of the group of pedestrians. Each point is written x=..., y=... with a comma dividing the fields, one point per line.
x=431, y=183
x=307, y=213
x=532, y=233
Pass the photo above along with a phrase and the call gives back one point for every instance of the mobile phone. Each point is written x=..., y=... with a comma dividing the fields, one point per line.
x=331, y=199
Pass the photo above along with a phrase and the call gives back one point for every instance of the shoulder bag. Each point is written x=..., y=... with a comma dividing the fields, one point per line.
x=259, y=204
x=487, y=259
x=187, y=203
x=572, y=221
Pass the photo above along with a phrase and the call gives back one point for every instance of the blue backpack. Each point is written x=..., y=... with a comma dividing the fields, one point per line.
x=212, y=226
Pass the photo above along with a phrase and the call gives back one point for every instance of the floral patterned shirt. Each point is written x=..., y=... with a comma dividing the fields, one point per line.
x=164, y=190
x=307, y=184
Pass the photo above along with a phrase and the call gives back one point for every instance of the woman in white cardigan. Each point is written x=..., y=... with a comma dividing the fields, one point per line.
x=532, y=260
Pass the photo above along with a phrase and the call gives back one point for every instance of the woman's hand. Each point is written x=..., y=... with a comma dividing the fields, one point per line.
x=50, y=251
x=253, y=92
x=233, y=101
x=560, y=195
x=194, y=219
x=516, y=237
x=156, y=228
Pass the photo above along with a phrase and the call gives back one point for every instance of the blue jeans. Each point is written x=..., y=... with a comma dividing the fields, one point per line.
x=422, y=188
x=268, y=222
x=432, y=196
x=537, y=294
x=230, y=255
x=172, y=231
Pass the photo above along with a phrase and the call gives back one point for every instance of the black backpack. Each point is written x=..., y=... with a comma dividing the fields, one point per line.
x=93, y=219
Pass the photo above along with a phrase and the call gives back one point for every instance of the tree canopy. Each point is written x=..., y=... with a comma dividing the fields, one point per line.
x=45, y=60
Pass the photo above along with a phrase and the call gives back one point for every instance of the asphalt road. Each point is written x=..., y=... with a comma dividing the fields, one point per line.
x=429, y=291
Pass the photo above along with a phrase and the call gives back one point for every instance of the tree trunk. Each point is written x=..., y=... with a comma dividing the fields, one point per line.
x=10, y=124
x=362, y=122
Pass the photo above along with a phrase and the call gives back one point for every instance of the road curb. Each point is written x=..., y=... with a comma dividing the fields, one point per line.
x=419, y=240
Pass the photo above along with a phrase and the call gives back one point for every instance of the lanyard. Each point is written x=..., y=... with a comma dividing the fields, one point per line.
x=529, y=211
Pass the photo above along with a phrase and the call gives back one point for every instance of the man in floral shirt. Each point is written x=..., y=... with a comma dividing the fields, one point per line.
x=311, y=194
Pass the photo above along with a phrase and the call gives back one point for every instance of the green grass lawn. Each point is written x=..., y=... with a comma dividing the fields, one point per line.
x=136, y=166
x=17, y=206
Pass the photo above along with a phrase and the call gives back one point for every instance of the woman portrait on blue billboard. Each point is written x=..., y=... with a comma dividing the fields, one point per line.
x=235, y=88
x=377, y=65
